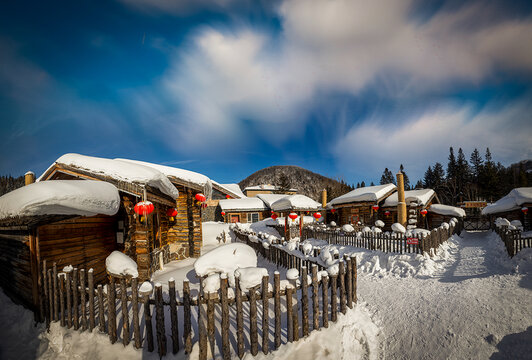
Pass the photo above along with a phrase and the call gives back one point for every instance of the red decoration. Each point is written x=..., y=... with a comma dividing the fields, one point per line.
x=223, y=213
x=333, y=210
x=200, y=197
x=424, y=212
x=387, y=213
x=144, y=208
x=172, y=212
x=524, y=210
x=292, y=216
x=228, y=196
x=316, y=215
x=204, y=205
x=375, y=207
x=274, y=216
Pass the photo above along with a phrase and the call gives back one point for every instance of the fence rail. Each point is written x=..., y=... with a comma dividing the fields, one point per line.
x=513, y=240
x=223, y=323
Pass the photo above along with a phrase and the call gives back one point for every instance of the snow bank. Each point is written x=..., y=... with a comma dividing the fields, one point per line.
x=226, y=259
x=513, y=201
x=447, y=210
x=370, y=193
x=120, y=264
x=61, y=197
x=295, y=202
x=120, y=170
x=419, y=197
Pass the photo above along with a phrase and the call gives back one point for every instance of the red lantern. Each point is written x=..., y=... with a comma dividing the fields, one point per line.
x=333, y=210
x=204, y=205
x=524, y=210
x=223, y=213
x=144, y=208
x=200, y=197
x=424, y=212
x=292, y=216
x=387, y=213
x=228, y=196
x=316, y=215
x=274, y=216
x=375, y=207
x=171, y=213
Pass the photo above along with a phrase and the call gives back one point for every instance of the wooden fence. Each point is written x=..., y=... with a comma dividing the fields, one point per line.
x=396, y=243
x=223, y=323
x=513, y=240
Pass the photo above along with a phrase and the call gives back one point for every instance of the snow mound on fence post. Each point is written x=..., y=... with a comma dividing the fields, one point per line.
x=120, y=264
x=396, y=227
x=348, y=228
x=226, y=259
x=250, y=277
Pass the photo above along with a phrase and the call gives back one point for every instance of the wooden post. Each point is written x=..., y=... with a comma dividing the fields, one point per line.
x=68, y=284
x=202, y=324
x=265, y=315
x=341, y=275
x=210, y=321
x=173, y=316
x=135, y=309
x=56, y=293
x=125, y=311
x=75, y=298
x=239, y=318
x=226, y=349
x=325, y=300
x=83, y=299
x=401, y=205
x=187, y=326
x=334, y=298
x=304, y=301
x=354, y=277
x=315, y=300
x=277, y=307
x=295, y=318
x=148, y=321
x=45, y=292
x=62, y=298
x=111, y=310
x=50, y=296
x=159, y=320
x=92, y=321
x=253, y=321
x=349, y=282
x=101, y=309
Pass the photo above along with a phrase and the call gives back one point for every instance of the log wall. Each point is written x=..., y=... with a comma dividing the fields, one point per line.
x=15, y=266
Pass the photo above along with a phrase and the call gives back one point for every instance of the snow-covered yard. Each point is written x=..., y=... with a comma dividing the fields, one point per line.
x=468, y=301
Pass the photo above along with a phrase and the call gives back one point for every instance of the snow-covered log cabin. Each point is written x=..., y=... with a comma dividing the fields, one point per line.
x=417, y=203
x=514, y=206
x=358, y=205
x=439, y=213
x=246, y=210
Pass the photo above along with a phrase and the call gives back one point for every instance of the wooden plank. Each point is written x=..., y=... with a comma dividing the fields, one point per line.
x=325, y=301
x=334, y=298
x=111, y=310
x=68, y=284
x=75, y=298
x=101, y=309
x=159, y=317
x=226, y=349
x=125, y=311
x=92, y=321
x=289, y=315
x=187, y=327
x=304, y=301
x=253, y=321
x=56, y=293
x=148, y=321
x=277, y=307
x=265, y=315
x=62, y=298
x=135, y=312
x=349, y=282
x=239, y=318
x=173, y=316
x=341, y=275
x=315, y=300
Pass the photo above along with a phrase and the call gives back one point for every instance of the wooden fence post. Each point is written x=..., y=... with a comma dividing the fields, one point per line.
x=325, y=300
x=125, y=311
x=354, y=277
x=349, y=282
x=56, y=292
x=75, y=298
x=334, y=298
x=101, y=309
x=147, y=320
x=173, y=316
x=341, y=275
x=277, y=307
x=315, y=300
x=239, y=318
x=187, y=326
x=62, y=298
x=45, y=293
x=253, y=321
x=135, y=310
x=304, y=301
x=92, y=321
x=68, y=284
x=111, y=310
x=289, y=315
x=83, y=299
x=159, y=320
x=50, y=296
x=265, y=315
x=226, y=349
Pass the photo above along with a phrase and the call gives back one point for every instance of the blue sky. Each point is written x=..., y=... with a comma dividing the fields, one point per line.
x=227, y=87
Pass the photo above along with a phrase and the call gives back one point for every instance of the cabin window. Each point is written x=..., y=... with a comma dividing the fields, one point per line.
x=235, y=218
x=253, y=217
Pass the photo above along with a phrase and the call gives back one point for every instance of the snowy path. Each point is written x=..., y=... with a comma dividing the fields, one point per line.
x=467, y=310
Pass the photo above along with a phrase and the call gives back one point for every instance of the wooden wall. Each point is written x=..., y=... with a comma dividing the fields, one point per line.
x=244, y=215
x=83, y=242
x=15, y=266
x=362, y=210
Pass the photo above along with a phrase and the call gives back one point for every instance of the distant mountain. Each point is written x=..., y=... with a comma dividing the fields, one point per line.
x=306, y=182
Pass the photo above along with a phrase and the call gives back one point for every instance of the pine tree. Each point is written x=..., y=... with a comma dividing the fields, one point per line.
x=372, y=184
x=387, y=177
x=358, y=185
x=463, y=176
x=476, y=164
x=489, y=179
x=419, y=185
x=362, y=184
x=428, y=179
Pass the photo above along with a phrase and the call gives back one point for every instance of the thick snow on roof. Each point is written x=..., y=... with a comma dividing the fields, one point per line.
x=369, y=193
x=421, y=197
x=186, y=175
x=269, y=199
x=121, y=171
x=265, y=187
x=61, y=197
x=513, y=201
x=234, y=188
x=447, y=210
x=246, y=204
x=295, y=202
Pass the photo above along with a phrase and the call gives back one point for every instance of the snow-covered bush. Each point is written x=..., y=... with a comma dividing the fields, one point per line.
x=398, y=228
x=118, y=263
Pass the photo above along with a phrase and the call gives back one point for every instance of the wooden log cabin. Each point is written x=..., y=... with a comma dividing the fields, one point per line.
x=158, y=236
x=439, y=213
x=357, y=205
x=247, y=210
x=299, y=204
x=70, y=222
x=416, y=201
x=516, y=205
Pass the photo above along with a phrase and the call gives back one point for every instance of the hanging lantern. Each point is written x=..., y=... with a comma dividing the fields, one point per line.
x=292, y=216
x=274, y=216
x=200, y=197
x=424, y=212
x=204, y=205
x=171, y=213
x=333, y=210
x=375, y=207
x=223, y=213
x=387, y=213
x=228, y=196
x=316, y=215
x=143, y=208
x=524, y=210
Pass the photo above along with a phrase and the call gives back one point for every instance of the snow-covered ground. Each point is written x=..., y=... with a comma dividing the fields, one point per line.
x=469, y=301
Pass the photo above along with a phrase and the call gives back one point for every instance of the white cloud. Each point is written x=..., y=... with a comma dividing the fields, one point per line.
x=421, y=140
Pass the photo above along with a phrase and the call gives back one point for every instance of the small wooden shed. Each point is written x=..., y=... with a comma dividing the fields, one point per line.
x=517, y=205
x=247, y=210
x=357, y=205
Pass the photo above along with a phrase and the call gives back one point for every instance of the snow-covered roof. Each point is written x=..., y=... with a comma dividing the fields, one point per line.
x=513, y=201
x=265, y=187
x=447, y=210
x=269, y=199
x=420, y=197
x=369, y=193
x=118, y=170
x=295, y=202
x=246, y=204
x=61, y=197
x=232, y=188
x=179, y=174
